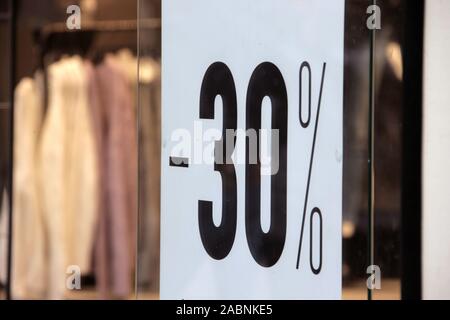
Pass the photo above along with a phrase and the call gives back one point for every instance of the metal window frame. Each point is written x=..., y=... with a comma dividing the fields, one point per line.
x=411, y=217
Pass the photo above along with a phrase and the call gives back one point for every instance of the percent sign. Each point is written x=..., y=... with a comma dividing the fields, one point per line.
x=315, y=211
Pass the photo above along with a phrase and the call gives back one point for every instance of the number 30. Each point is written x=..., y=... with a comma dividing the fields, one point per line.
x=266, y=248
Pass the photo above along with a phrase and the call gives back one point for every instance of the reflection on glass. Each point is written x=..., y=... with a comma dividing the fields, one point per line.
x=149, y=149
x=388, y=96
x=388, y=145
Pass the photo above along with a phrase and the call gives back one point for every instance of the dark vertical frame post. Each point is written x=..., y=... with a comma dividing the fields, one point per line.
x=12, y=30
x=371, y=148
x=411, y=237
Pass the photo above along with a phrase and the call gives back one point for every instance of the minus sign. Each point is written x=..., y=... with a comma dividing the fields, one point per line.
x=179, y=162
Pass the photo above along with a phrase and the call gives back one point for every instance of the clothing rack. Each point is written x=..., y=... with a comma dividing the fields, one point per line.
x=57, y=35
x=104, y=26
x=56, y=38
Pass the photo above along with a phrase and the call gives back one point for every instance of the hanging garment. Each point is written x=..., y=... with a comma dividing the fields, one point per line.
x=28, y=276
x=68, y=174
x=116, y=234
x=127, y=63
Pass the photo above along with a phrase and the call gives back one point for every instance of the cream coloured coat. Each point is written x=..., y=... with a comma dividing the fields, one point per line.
x=28, y=276
x=68, y=174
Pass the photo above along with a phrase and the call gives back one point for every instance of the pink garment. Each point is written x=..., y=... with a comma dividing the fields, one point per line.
x=115, y=129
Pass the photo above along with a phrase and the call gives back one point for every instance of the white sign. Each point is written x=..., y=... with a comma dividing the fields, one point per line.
x=256, y=215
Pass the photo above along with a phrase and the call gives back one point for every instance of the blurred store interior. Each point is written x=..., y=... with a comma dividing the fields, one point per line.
x=78, y=169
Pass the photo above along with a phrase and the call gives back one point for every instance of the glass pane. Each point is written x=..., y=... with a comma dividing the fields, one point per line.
x=388, y=145
x=88, y=178
x=356, y=152
x=149, y=149
x=75, y=160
